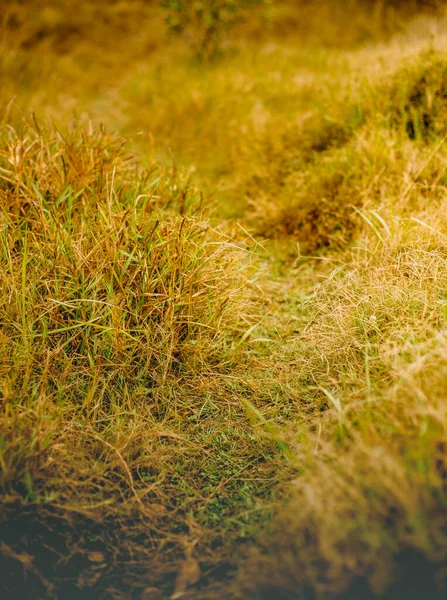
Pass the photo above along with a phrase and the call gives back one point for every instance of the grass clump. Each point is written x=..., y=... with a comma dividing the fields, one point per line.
x=311, y=178
x=118, y=321
x=420, y=104
x=57, y=193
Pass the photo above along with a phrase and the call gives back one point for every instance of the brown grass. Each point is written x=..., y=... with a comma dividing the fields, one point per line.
x=222, y=329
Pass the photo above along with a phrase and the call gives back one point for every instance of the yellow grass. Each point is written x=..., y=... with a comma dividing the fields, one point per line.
x=223, y=300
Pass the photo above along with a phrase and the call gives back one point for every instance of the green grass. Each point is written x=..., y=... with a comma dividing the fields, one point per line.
x=222, y=328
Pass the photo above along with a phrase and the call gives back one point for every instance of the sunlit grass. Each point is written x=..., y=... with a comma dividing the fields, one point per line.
x=222, y=336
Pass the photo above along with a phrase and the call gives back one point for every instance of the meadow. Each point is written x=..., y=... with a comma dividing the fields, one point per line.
x=223, y=300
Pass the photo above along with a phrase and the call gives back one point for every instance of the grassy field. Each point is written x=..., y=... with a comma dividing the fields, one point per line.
x=223, y=301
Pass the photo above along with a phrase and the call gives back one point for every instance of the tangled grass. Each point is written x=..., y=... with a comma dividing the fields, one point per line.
x=119, y=320
x=372, y=446
x=224, y=378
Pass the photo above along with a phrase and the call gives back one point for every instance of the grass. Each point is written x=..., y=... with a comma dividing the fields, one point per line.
x=222, y=327
x=119, y=315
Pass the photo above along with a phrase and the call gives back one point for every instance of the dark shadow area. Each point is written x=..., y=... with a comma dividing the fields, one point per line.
x=418, y=580
x=41, y=574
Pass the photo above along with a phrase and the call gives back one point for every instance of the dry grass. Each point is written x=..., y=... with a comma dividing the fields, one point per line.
x=372, y=376
x=120, y=316
x=182, y=401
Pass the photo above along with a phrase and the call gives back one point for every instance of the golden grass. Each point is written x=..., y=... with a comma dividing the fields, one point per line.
x=222, y=336
x=373, y=378
x=119, y=315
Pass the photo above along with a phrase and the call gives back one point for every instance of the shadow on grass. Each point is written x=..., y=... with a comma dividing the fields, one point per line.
x=419, y=580
x=39, y=561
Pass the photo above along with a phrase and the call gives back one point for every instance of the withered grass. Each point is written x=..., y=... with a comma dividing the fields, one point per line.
x=223, y=348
